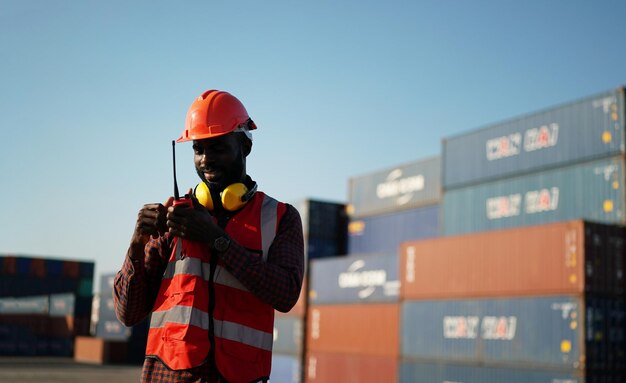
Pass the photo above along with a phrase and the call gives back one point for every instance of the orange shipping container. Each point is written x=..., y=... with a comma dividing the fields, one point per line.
x=562, y=258
x=349, y=368
x=99, y=351
x=365, y=329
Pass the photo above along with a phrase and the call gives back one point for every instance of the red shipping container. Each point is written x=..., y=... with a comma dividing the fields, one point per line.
x=562, y=258
x=365, y=329
x=9, y=265
x=71, y=269
x=38, y=267
x=349, y=368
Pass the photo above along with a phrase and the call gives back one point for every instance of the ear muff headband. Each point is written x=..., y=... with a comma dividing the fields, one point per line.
x=233, y=198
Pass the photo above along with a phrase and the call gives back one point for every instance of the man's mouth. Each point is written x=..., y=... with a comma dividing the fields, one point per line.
x=211, y=174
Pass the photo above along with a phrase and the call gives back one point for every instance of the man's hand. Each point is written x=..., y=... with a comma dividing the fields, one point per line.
x=151, y=221
x=192, y=223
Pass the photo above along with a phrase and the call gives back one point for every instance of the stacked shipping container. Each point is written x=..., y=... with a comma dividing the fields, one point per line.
x=324, y=225
x=395, y=205
x=544, y=300
x=531, y=303
x=353, y=316
x=64, y=292
x=559, y=164
x=113, y=342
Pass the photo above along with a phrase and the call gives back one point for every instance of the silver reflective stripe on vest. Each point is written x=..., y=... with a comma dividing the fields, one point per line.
x=182, y=315
x=223, y=277
x=188, y=265
x=269, y=217
x=243, y=334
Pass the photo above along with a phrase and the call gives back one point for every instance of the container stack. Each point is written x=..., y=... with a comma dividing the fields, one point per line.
x=113, y=342
x=46, y=303
x=353, y=316
x=528, y=284
x=532, y=304
x=324, y=226
x=560, y=164
x=394, y=205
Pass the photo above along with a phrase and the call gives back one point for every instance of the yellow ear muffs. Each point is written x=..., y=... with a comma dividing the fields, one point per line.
x=233, y=198
x=203, y=195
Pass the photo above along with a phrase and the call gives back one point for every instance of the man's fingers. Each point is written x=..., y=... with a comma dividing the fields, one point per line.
x=169, y=202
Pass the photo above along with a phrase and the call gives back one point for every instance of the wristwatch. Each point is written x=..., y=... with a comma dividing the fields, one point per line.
x=221, y=244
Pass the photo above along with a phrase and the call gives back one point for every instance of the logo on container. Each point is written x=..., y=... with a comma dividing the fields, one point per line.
x=400, y=188
x=503, y=147
x=538, y=201
x=542, y=137
x=491, y=327
x=535, y=201
x=367, y=280
x=504, y=206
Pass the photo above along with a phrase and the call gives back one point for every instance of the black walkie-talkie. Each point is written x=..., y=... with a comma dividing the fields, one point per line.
x=186, y=200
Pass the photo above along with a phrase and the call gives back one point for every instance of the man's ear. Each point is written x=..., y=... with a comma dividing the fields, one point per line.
x=246, y=145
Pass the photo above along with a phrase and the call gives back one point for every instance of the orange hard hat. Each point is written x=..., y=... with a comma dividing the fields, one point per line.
x=215, y=113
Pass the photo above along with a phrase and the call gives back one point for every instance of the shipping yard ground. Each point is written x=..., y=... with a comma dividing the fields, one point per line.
x=63, y=370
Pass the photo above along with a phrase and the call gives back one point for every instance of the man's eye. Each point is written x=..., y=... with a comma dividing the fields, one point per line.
x=197, y=150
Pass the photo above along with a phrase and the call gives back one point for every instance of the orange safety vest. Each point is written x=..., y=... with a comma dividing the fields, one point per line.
x=196, y=284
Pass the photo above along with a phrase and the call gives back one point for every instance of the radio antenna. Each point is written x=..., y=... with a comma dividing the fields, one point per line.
x=176, y=195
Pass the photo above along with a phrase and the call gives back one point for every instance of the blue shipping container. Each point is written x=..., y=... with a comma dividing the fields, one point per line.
x=592, y=191
x=403, y=187
x=62, y=305
x=288, y=335
x=322, y=219
x=321, y=248
x=385, y=233
x=286, y=369
x=25, y=305
x=106, y=283
x=112, y=330
x=411, y=372
x=371, y=278
x=564, y=332
x=580, y=131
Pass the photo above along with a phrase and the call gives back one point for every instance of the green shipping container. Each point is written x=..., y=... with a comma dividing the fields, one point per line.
x=593, y=191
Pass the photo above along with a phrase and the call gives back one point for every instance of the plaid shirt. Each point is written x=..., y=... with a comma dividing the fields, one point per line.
x=277, y=282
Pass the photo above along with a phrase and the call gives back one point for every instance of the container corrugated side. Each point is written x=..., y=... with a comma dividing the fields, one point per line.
x=592, y=191
x=580, y=131
x=370, y=278
x=288, y=335
x=560, y=258
x=322, y=219
x=326, y=367
x=422, y=372
x=106, y=283
x=365, y=329
x=563, y=332
x=286, y=368
x=402, y=187
x=385, y=233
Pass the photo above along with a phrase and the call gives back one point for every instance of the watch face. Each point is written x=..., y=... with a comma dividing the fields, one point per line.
x=221, y=244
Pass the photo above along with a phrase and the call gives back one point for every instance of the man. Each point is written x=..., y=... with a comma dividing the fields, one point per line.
x=212, y=273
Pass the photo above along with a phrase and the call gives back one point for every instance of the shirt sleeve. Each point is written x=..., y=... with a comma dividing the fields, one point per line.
x=278, y=281
x=136, y=285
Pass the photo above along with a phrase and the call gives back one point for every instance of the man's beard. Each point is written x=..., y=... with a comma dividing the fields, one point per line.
x=232, y=175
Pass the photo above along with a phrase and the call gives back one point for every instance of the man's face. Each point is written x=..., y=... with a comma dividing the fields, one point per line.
x=220, y=161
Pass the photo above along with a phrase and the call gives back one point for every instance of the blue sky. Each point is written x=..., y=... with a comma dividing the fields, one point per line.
x=92, y=93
